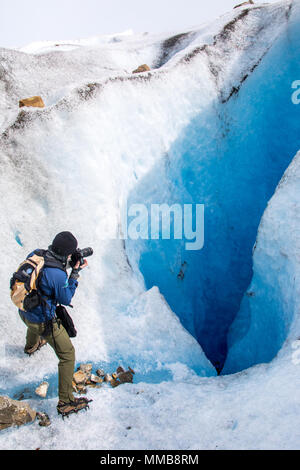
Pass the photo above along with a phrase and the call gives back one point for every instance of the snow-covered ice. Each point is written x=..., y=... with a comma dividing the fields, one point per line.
x=212, y=122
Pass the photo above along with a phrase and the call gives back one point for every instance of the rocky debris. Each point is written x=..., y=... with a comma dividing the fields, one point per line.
x=33, y=101
x=24, y=394
x=42, y=389
x=142, y=68
x=122, y=376
x=86, y=368
x=100, y=373
x=250, y=2
x=95, y=379
x=43, y=419
x=108, y=378
x=172, y=45
x=182, y=271
x=80, y=388
x=91, y=384
x=88, y=91
x=14, y=413
x=80, y=377
x=84, y=378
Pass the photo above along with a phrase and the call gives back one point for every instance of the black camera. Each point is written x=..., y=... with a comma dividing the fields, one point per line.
x=79, y=255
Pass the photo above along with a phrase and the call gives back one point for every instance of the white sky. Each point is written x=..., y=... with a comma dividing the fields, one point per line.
x=25, y=21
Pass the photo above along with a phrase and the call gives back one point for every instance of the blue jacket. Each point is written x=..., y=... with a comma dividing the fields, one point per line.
x=55, y=285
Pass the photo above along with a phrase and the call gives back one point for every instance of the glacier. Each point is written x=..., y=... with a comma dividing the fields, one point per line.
x=213, y=122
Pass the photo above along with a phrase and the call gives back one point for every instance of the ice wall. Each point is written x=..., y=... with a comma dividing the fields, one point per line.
x=230, y=158
x=269, y=306
x=269, y=311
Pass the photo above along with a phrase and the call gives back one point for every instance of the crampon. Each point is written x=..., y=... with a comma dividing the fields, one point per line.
x=29, y=351
x=65, y=409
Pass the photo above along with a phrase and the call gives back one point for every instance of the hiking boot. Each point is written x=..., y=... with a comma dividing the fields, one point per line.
x=65, y=409
x=41, y=342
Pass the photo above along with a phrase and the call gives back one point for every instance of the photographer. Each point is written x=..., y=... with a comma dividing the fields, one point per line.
x=43, y=327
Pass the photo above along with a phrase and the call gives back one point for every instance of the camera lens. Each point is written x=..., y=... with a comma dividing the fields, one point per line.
x=86, y=252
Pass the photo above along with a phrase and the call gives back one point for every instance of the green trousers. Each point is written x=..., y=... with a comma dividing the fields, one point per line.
x=59, y=340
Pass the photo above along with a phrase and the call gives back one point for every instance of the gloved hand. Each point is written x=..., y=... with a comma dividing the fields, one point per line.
x=75, y=271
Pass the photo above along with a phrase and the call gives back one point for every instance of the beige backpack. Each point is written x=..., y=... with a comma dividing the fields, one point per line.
x=24, y=283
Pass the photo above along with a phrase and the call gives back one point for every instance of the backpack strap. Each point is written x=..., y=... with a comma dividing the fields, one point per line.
x=50, y=261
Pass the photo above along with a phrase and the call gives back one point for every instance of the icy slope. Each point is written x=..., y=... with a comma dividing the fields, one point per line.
x=54, y=69
x=103, y=138
x=255, y=336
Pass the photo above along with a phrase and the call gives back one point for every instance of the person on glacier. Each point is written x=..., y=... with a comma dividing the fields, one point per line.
x=57, y=288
